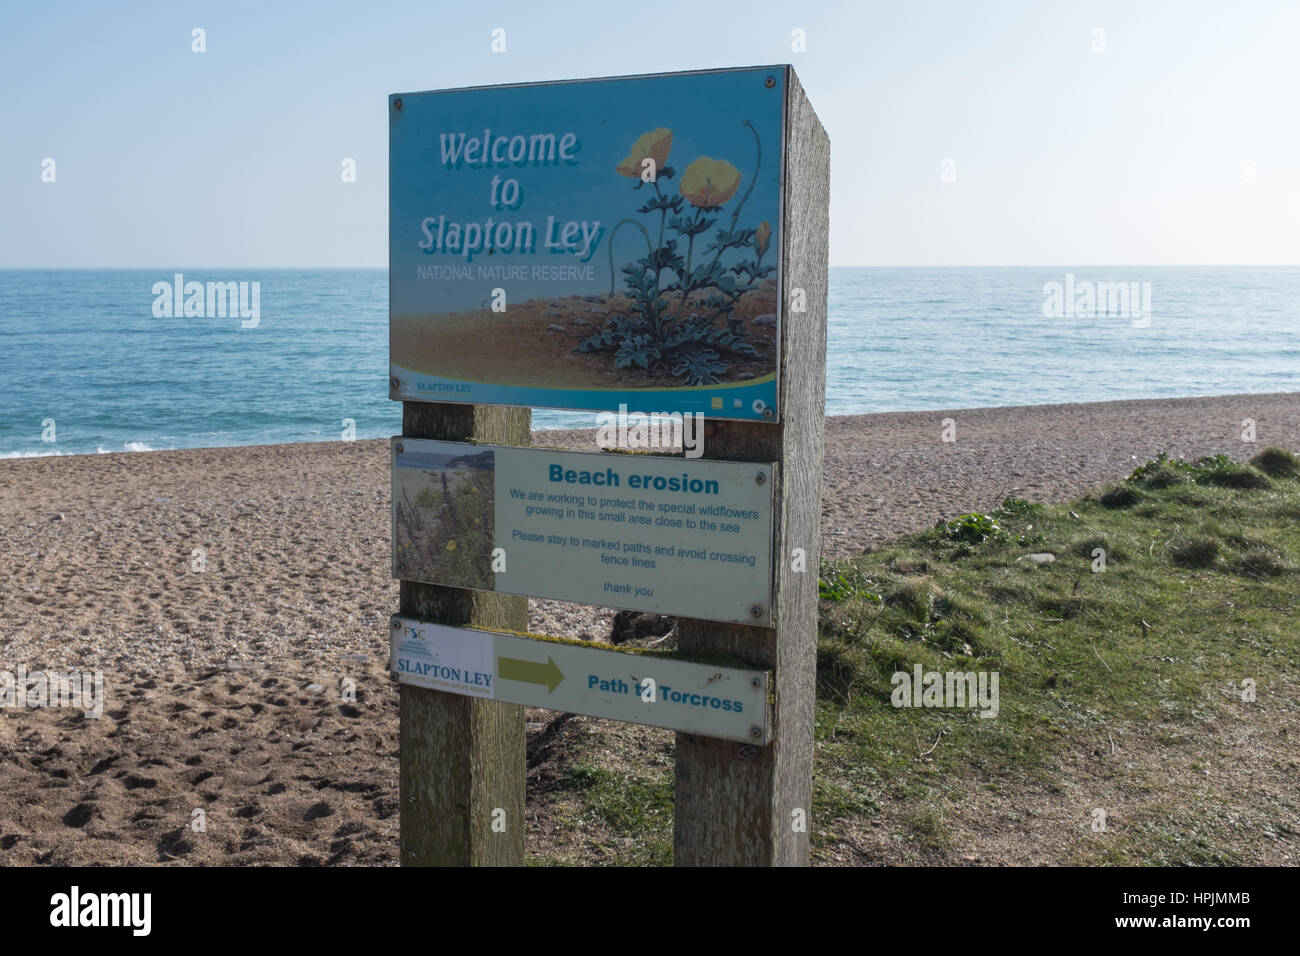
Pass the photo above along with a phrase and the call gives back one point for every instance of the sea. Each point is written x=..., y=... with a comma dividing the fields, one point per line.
x=86, y=367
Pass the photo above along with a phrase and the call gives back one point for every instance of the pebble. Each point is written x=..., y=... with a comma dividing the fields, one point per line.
x=767, y=318
x=581, y=322
x=555, y=328
x=1039, y=557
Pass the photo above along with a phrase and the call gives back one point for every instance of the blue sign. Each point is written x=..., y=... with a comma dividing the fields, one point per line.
x=590, y=244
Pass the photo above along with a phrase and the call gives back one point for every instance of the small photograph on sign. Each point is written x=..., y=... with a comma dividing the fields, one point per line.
x=443, y=517
x=580, y=245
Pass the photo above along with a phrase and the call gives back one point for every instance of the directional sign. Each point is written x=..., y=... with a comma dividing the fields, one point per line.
x=704, y=699
x=679, y=536
x=589, y=244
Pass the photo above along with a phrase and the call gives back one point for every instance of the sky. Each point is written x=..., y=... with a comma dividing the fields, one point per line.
x=963, y=133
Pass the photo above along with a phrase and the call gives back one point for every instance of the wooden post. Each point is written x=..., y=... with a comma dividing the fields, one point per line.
x=462, y=758
x=735, y=804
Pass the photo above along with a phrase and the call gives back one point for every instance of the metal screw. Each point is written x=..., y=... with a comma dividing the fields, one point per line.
x=397, y=103
x=760, y=478
x=769, y=83
x=756, y=732
x=395, y=382
x=768, y=413
x=392, y=675
x=755, y=682
x=397, y=625
x=756, y=610
x=399, y=448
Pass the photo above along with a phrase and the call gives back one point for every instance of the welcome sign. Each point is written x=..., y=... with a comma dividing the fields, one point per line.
x=590, y=244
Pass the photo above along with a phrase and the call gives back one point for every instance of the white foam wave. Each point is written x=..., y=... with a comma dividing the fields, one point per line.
x=32, y=454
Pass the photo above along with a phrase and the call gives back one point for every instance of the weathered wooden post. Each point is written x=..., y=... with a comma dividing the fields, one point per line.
x=748, y=805
x=507, y=243
x=461, y=759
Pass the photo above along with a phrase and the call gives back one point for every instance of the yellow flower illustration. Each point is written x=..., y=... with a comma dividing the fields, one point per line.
x=652, y=145
x=451, y=545
x=762, y=236
x=710, y=182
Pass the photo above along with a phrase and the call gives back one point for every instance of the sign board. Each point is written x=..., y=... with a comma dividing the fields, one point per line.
x=676, y=536
x=704, y=699
x=590, y=244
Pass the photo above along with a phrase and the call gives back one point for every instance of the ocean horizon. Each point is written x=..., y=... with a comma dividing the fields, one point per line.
x=86, y=361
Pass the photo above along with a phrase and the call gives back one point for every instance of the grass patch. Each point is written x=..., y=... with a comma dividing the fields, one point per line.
x=1200, y=552
x=636, y=811
x=1165, y=591
x=1120, y=496
x=1277, y=462
x=1218, y=470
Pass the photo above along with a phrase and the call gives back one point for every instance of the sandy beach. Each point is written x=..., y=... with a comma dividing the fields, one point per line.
x=226, y=593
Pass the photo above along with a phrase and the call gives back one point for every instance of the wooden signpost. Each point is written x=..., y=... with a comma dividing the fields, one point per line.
x=654, y=242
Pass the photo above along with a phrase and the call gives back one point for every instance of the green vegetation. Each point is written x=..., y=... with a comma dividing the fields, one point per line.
x=1167, y=591
x=1218, y=470
x=973, y=528
x=612, y=800
x=631, y=807
x=1124, y=666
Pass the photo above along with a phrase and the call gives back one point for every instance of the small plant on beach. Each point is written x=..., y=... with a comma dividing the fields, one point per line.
x=1120, y=496
x=1198, y=552
x=1018, y=508
x=1223, y=471
x=836, y=588
x=1162, y=461
x=1277, y=462
x=1219, y=470
x=837, y=585
x=974, y=529
x=682, y=320
x=1161, y=472
x=1263, y=562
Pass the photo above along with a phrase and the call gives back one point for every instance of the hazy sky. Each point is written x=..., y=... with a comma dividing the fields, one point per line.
x=1180, y=143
